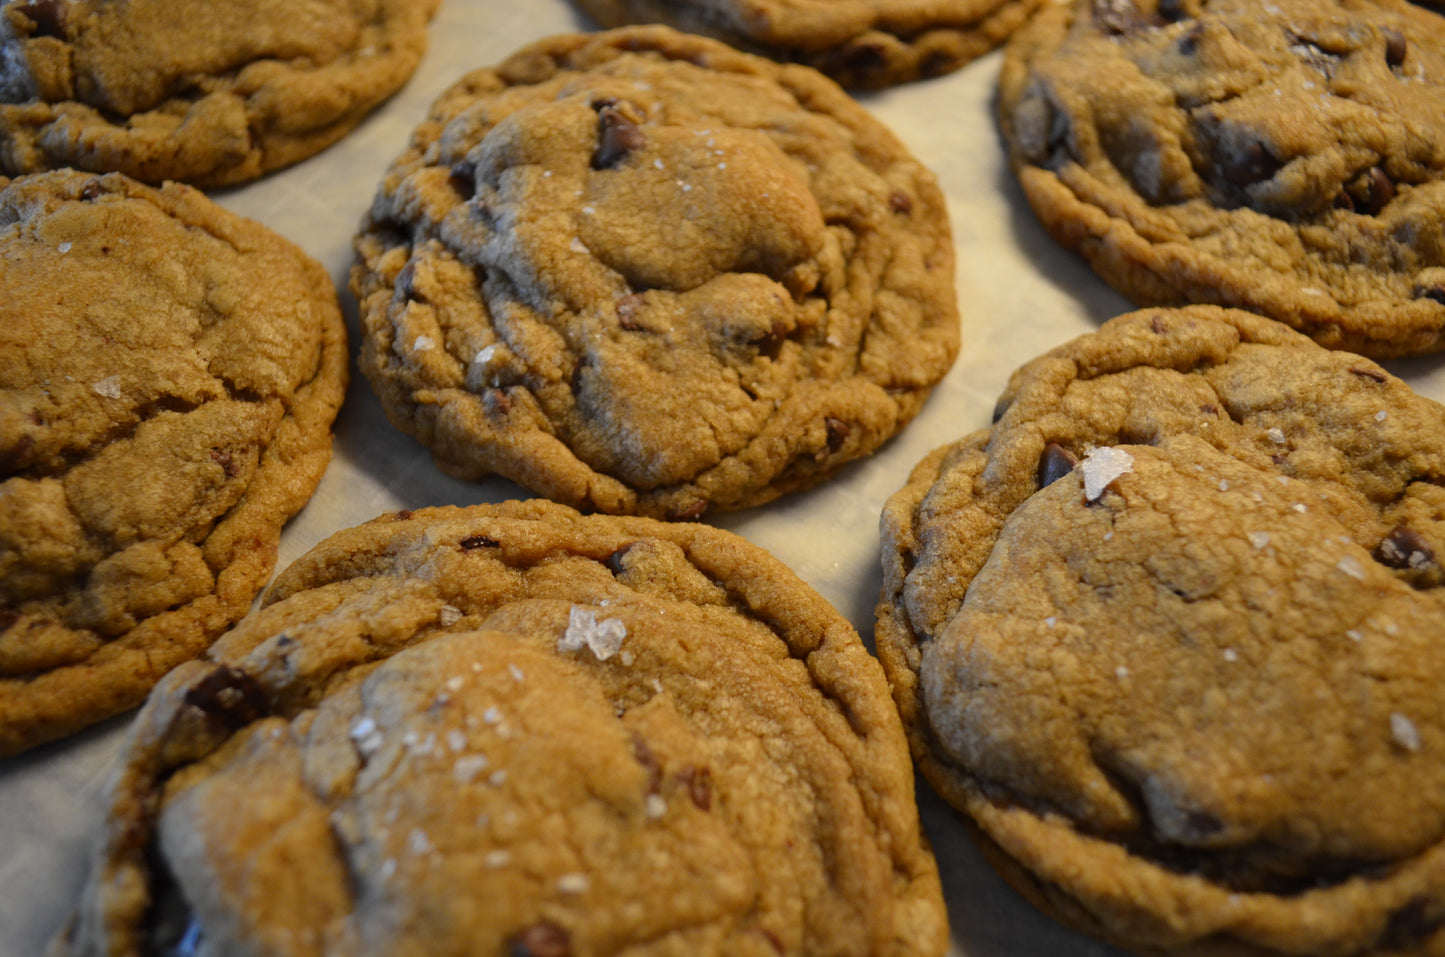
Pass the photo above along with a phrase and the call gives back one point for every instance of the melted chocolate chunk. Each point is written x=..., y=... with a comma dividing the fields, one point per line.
x=1436, y=293
x=1055, y=463
x=473, y=542
x=229, y=696
x=618, y=135
x=838, y=432
x=1404, y=548
x=1251, y=164
x=47, y=15
x=686, y=513
x=1396, y=46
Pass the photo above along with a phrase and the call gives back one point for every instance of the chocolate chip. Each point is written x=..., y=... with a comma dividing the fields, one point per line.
x=617, y=561
x=1396, y=46
x=542, y=939
x=1055, y=463
x=1436, y=293
x=496, y=401
x=1189, y=42
x=864, y=60
x=47, y=15
x=698, y=782
x=1378, y=190
x=627, y=308
x=1173, y=10
x=224, y=460
x=579, y=369
x=1404, y=548
x=93, y=190
x=1251, y=164
x=228, y=695
x=838, y=432
x=618, y=136
x=1375, y=374
x=463, y=178
x=900, y=203
x=402, y=515
x=473, y=542
x=686, y=513
x=1343, y=201
x=648, y=759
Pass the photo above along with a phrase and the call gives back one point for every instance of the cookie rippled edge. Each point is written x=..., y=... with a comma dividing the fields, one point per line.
x=164, y=414
x=1167, y=632
x=517, y=726
x=640, y=272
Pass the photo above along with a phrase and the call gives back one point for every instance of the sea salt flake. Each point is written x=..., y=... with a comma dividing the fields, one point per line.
x=388, y=868
x=1121, y=672
x=1231, y=655
x=1223, y=485
x=1354, y=635
x=449, y=615
x=658, y=164
x=589, y=210
x=1050, y=621
x=417, y=841
x=574, y=883
x=1259, y=539
x=1101, y=467
x=498, y=858
x=656, y=806
x=492, y=715
x=65, y=247
x=583, y=628
x=1350, y=565
x=577, y=246
x=108, y=387
x=456, y=740
x=1275, y=435
x=498, y=778
x=626, y=658
x=1299, y=507
x=1403, y=730
x=516, y=673
x=366, y=736
x=423, y=344
x=1380, y=415
x=468, y=767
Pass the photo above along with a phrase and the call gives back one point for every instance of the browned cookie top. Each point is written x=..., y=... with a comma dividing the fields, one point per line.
x=1283, y=157
x=211, y=92
x=1169, y=631
x=169, y=373
x=515, y=729
x=860, y=43
x=638, y=271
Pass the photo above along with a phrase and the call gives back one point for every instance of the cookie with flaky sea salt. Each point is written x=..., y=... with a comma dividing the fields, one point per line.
x=515, y=729
x=640, y=272
x=860, y=43
x=1169, y=634
x=211, y=92
x=1278, y=157
x=169, y=373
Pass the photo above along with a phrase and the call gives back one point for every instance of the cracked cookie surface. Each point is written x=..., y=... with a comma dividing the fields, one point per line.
x=859, y=43
x=1169, y=633
x=210, y=93
x=169, y=377
x=1282, y=158
x=517, y=729
x=638, y=271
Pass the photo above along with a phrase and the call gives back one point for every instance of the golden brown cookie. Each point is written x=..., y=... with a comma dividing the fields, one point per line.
x=169, y=373
x=212, y=92
x=639, y=271
x=516, y=729
x=860, y=43
x=1169, y=633
x=1279, y=157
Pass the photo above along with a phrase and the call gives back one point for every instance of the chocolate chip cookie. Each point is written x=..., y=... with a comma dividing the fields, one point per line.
x=1169, y=633
x=1279, y=157
x=860, y=43
x=517, y=729
x=212, y=92
x=169, y=373
x=640, y=272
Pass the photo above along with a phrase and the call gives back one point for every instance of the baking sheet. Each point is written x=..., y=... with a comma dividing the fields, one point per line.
x=1019, y=295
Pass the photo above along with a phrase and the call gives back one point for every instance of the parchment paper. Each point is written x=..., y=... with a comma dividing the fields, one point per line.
x=1018, y=292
